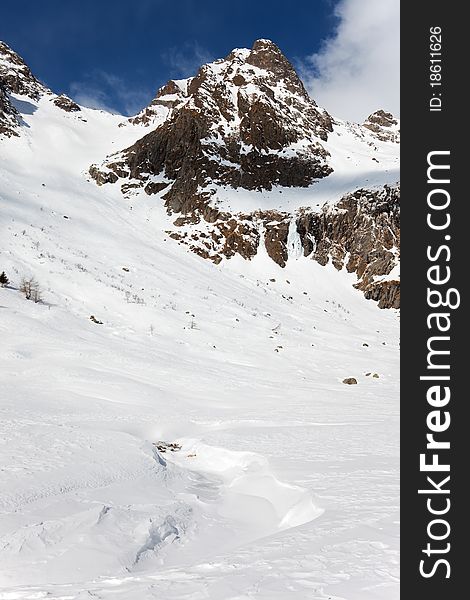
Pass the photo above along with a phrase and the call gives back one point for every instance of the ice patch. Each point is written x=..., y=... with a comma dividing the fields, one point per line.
x=294, y=243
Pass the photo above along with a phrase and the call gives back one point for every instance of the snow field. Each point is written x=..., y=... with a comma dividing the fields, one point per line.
x=286, y=483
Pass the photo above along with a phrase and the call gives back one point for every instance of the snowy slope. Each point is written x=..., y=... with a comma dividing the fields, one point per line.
x=286, y=482
x=358, y=160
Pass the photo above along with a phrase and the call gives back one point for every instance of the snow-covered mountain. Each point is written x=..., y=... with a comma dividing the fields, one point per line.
x=177, y=427
x=242, y=155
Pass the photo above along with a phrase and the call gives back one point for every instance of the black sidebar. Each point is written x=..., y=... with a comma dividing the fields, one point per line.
x=435, y=435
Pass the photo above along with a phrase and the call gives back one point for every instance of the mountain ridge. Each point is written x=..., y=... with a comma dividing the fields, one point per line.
x=179, y=427
x=240, y=155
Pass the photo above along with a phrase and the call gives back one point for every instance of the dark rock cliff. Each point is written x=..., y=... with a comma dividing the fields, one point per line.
x=9, y=118
x=360, y=233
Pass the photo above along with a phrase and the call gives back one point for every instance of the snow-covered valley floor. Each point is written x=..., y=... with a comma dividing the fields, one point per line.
x=285, y=484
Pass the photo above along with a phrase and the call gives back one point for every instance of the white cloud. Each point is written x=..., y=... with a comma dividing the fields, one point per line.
x=108, y=92
x=90, y=96
x=357, y=70
x=185, y=60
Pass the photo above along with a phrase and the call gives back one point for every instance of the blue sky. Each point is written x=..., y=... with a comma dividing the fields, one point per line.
x=115, y=54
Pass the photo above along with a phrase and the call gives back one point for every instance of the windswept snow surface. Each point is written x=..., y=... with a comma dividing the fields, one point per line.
x=286, y=482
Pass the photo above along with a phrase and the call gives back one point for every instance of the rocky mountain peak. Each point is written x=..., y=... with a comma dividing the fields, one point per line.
x=384, y=125
x=168, y=97
x=170, y=92
x=244, y=121
x=267, y=56
x=245, y=124
x=223, y=85
x=16, y=76
x=267, y=52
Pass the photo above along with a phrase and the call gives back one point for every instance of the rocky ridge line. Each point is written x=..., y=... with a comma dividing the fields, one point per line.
x=17, y=78
x=245, y=122
x=360, y=233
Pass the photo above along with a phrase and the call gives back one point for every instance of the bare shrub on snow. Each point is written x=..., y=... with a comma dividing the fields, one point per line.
x=29, y=287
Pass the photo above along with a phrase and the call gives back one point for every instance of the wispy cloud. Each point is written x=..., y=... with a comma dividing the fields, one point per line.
x=357, y=70
x=109, y=92
x=91, y=97
x=185, y=60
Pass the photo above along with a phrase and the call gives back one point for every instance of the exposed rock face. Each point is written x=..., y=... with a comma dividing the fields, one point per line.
x=383, y=125
x=65, y=103
x=276, y=227
x=168, y=97
x=16, y=76
x=386, y=293
x=381, y=119
x=225, y=236
x=360, y=233
x=9, y=118
x=246, y=124
x=245, y=121
x=354, y=227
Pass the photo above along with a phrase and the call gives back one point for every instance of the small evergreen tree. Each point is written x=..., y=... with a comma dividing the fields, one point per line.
x=4, y=279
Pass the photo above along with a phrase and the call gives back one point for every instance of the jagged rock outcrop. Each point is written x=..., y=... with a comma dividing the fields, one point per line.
x=245, y=121
x=65, y=103
x=9, y=118
x=276, y=228
x=384, y=126
x=360, y=233
x=16, y=76
x=168, y=97
x=363, y=226
x=386, y=293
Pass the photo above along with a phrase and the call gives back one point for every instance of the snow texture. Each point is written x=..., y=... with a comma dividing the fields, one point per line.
x=286, y=481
